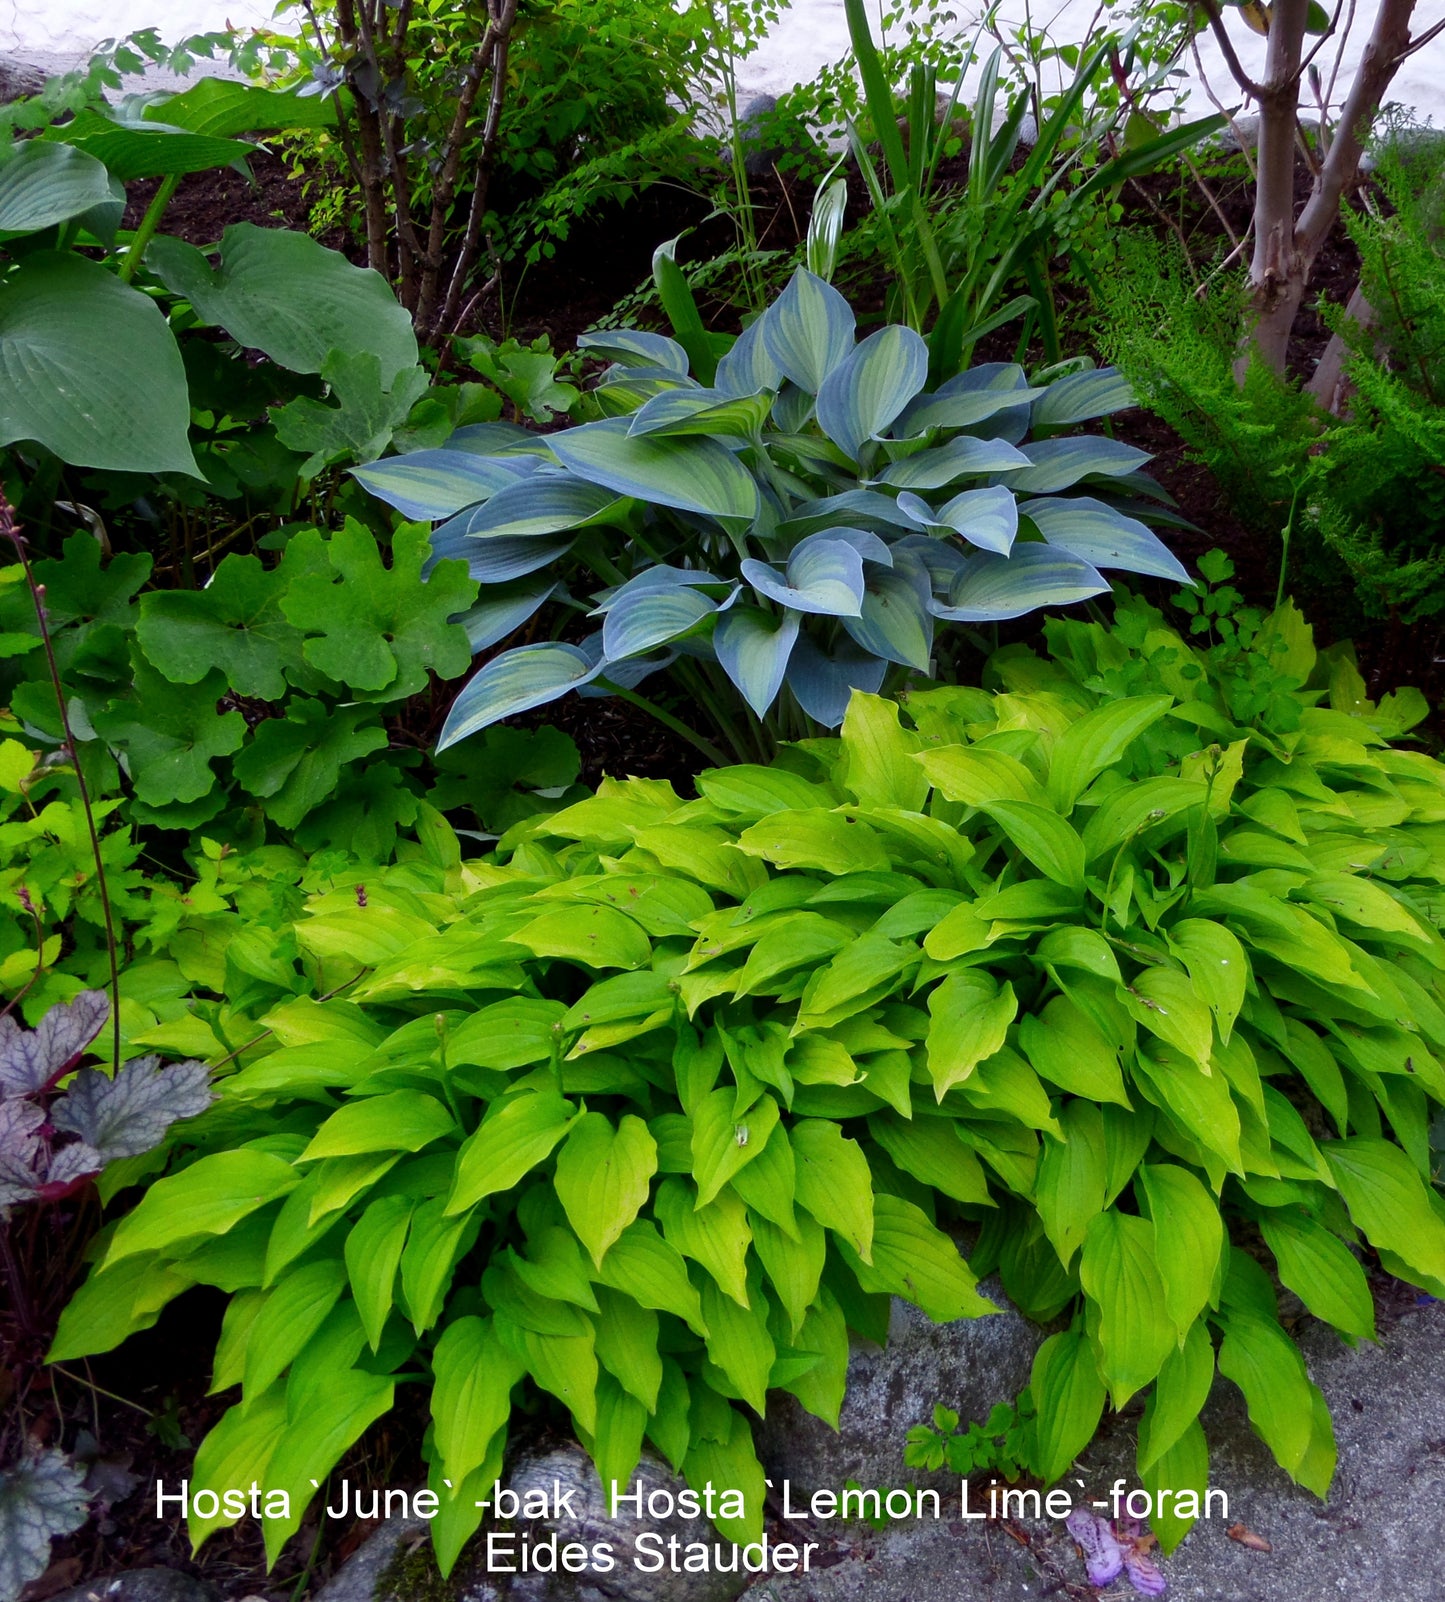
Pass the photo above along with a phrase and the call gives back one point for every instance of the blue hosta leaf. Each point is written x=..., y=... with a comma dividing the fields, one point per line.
x=808, y=330
x=824, y=576
x=867, y=545
x=438, y=483
x=987, y=518
x=792, y=409
x=964, y=457
x=822, y=683
x=1103, y=535
x=941, y=559
x=488, y=439
x=691, y=474
x=896, y=621
x=634, y=347
x=638, y=621
x=543, y=503
x=506, y=607
x=1082, y=396
x=753, y=647
x=1056, y=464
x=43, y=184
x=871, y=386
x=620, y=675
x=622, y=393
x=992, y=588
x=661, y=577
x=862, y=508
x=704, y=411
x=747, y=367
x=494, y=560
x=513, y=682
x=971, y=397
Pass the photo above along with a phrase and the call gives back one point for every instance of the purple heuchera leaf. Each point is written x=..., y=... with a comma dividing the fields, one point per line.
x=1103, y=1556
x=32, y=1060
x=21, y=1150
x=128, y=1115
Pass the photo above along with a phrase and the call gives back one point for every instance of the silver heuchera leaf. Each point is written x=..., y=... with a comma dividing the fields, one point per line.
x=39, y=1499
x=20, y=1152
x=69, y=1164
x=32, y=1059
x=1103, y=1556
x=128, y=1115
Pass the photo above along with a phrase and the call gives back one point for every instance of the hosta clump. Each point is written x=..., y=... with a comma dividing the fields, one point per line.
x=50, y=1144
x=800, y=513
x=1135, y=948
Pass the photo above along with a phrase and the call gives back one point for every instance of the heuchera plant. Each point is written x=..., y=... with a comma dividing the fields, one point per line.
x=802, y=512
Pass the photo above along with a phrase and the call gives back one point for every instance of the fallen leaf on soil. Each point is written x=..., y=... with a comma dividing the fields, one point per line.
x=1247, y=1537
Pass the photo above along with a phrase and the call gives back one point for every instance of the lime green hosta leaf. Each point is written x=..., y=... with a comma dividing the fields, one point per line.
x=652, y=1272
x=859, y=976
x=715, y=1234
x=1170, y=1478
x=515, y=1136
x=807, y=331
x=731, y=1462
x=1097, y=741
x=739, y=1343
x=401, y=1120
x=1266, y=1365
x=295, y=763
x=284, y=294
x=171, y=734
x=1360, y=901
x=1188, y=1239
x=597, y=935
x=1068, y=1403
x=879, y=768
x=373, y=1254
x=1047, y=840
x=1321, y=1270
x=723, y=1143
x=77, y=347
x=1121, y=1279
x=930, y=1150
x=237, y=1451
x=1099, y=533
x=516, y=681
x=814, y=838
x=43, y=184
x=871, y=386
x=979, y=777
x=1058, y=464
x=1167, y=1003
x=376, y=628
x=834, y=1183
x=235, y=624
x=471, y=1396
x=603, y=1176
x=1070, y=1188
x=691, y=474
x=1200, y=1102
x=914, y=1259
x=1178, y=1396
x=290, y=1315
x=1388, y=1201
x=1218, y=967
x=209, y=1198
x=627, y=1345
x=969, y=1018
x=794, y=1265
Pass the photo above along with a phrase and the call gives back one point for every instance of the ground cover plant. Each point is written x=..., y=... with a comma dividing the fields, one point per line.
x=1124, y=960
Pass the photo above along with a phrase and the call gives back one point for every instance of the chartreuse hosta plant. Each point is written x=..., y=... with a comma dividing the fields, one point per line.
x=801, y=513
x=638, y=1115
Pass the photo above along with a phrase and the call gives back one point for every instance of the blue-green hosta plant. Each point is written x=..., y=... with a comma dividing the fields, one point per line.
x=801, y=514
x=1133, y=953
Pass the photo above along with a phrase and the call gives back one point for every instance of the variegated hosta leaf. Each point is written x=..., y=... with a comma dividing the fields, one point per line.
x=822, y=682
x=987, y=518
x=40, y=1498
x=993, y=588
x=753, y=647
x=969, y=398
x=692, y=474
x=825, y=575
x=434, y=484
x=127, y=1115
x=808, y=330
x=964, y=457
x=496, y=559
x=32, y=1059
x=635, y=347
x=516, y=681
x=748, y=368
x=1103, y=535
x=896, y=621
x=640, y=620
x=545, y=502
x=1058, y=464
x=1082, y=396
x=871, y=386
x=704, y=411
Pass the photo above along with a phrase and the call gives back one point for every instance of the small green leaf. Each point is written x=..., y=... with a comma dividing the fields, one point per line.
x=603, y=1176
x=515, y=1136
